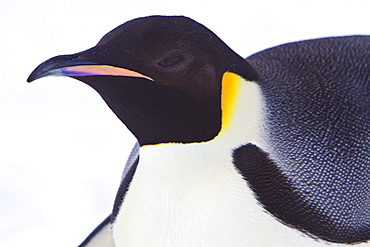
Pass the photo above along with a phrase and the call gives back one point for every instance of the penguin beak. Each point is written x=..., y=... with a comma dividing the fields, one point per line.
x=71, y=65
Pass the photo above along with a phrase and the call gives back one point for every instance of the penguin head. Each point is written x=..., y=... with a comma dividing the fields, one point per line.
x=162, y=76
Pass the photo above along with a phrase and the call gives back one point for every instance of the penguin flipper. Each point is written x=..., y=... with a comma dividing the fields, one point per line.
x=101, y=236
x=127, y=175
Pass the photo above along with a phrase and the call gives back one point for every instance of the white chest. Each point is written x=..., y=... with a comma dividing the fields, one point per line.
x=183, y=200
x=195, y=197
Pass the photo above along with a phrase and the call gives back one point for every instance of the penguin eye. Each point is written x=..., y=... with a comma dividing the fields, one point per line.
x=170, y=62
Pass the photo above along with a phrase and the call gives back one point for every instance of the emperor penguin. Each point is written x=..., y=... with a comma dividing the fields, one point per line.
x=271, y=150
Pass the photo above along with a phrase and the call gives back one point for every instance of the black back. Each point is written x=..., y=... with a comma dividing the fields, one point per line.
x=316, y=175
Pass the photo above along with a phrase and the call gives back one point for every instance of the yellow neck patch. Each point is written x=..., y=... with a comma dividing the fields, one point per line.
x=229, y=88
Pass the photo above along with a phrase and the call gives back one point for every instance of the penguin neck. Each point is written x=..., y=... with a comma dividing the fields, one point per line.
x=192, y=193
x=242, y=108
x=156, y=113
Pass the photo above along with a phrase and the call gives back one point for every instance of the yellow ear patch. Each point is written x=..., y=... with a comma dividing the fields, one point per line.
x=229, y=88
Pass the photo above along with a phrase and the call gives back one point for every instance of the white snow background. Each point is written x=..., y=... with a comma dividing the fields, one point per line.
x=62, y=150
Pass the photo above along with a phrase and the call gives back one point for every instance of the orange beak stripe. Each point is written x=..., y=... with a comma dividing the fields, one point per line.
x=90, y=70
